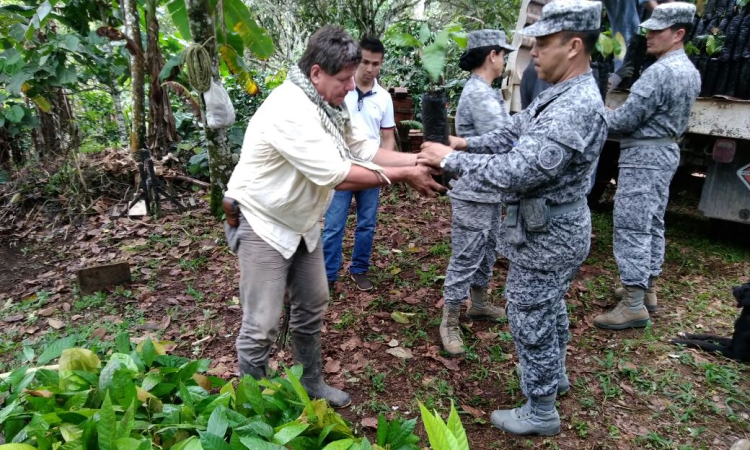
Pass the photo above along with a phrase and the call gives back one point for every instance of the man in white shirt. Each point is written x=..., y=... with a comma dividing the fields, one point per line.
x=371, y=107
x=299, y=146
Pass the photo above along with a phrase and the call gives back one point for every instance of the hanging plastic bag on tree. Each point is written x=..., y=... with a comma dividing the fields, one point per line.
x=219, y=108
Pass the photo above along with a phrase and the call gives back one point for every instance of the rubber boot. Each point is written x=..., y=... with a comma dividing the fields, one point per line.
x=450, y=331
x=481, y=308
x=629, y=313
x=257, y=372
x=649, y=300
x=538, y=416
x=306, y=351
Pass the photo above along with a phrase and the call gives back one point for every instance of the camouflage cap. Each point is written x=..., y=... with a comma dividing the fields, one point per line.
x=566, y=15
x=668, y=14
x=487, y=38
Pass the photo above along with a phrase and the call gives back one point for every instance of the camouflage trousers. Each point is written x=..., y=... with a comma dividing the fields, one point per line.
x=640, y=204
x=474, y=233
x=538, y=318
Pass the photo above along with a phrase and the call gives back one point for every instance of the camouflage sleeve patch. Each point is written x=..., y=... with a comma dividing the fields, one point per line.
x=550, y=157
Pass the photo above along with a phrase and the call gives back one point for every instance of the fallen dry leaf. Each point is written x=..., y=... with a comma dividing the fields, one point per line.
x=370, y=422
x=393, y=343
x=473, y=411
x=99, y=333
x=332, y=366
x=66, y=307
x=448, y=363
x=165, y=322
x=56, y=324
x=400, y=352
x=46, y=312
x=351, y=344
x=13, y=318
x=486, y=336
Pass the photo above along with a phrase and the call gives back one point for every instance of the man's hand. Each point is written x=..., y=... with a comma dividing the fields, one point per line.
x=457, y=143
x=423, y=183
x=432, y=153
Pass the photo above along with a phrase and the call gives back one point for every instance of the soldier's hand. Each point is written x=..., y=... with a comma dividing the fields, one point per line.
x=432, y=153
x=423, y=183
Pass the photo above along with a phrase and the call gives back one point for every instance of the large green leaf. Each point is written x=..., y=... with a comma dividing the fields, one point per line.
x=218, y=423
x=399, y=431
x=210, y=441
x=248, y=391
x=254, y=37
x=16, y=447
x=288, y=432
x=8, y=410
x=14, y=113
x=55, y=349
x=70, y=432
x=405, y=40
x=237, y=67
x=17, y=81
x=339, y=445
x=455, y=426
x=257, y=444
x=38, y=19
x=107, y=426
x=191, y=443
x=178, y=12
x=148, y=352
x=293, y=375
x=166, y=71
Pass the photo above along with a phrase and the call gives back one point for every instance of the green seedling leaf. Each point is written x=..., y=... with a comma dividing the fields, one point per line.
x=8, y=410
x=55, y=349
x=107, y=426
x=424, y=33
x=16, y=447
x=211, y=441
x=191, y=443
x=218, y=423
x=70, y=432
x=14, y=113
x=166, y=71
x=288, y=432
x=256, y=444
x=248, y=392
x=148, y=352
x=455, y=426
x=399, y=432
x=128, y=422
x=383, y=425
x=293, y=375
x=324, y=434
x=339, y=445
x=122, y=342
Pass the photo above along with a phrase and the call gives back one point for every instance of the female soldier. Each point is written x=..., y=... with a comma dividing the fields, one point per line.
x=476, y=215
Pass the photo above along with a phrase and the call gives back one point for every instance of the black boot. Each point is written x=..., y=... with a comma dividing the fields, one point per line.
x=306, y=350
x=257, y=372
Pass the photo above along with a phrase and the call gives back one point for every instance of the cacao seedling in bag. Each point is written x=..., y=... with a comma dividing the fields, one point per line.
x=743, y=37
x=435, y=121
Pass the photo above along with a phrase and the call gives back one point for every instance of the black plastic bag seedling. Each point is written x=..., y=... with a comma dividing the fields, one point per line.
x=731, y=38
x=708, y=11
x=723, y=78
x=743, y=38
x=709, y=80
x=743, y=83
x=634, y=55
x=435, y=122
x=732, y=79
x=721, y=7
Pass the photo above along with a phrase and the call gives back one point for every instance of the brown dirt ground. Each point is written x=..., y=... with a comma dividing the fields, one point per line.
x=630, y=389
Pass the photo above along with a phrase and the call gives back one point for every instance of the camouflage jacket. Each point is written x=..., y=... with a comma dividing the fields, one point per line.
x=546, y=151
x=658, y=106
x=481, y=109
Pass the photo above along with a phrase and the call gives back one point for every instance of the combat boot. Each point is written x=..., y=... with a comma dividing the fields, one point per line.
x=257, y=372
x=538, y=416
x=307, y=351
x=450, y=331
x=481, y=308
x=649, y=300
x=629, y=313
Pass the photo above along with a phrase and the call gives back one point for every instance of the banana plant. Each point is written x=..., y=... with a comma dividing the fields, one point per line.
x=238, y=33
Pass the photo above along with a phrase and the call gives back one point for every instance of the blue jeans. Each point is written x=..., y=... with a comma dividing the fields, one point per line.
x=333, y=232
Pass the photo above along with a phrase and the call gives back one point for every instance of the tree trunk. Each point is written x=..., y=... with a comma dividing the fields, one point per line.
x=161, y=124
x=220, y=162
x=115, y=93
x=138, y=67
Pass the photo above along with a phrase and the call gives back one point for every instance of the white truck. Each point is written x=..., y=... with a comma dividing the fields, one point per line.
x=716, y=146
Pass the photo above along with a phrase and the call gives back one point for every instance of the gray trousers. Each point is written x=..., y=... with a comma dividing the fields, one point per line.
x=538, y=318
x=474, y=234
x=640, y=204
x=265, y=276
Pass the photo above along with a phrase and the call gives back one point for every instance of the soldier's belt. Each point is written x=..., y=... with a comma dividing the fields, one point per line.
x=558, y=209
x=648, y=142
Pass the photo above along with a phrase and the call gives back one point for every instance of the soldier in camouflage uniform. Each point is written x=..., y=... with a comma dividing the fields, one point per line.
x=476, y=215
x=541, y=166
x=654, y=116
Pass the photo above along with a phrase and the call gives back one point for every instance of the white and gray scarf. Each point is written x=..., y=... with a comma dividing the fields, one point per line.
x=335, y=119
